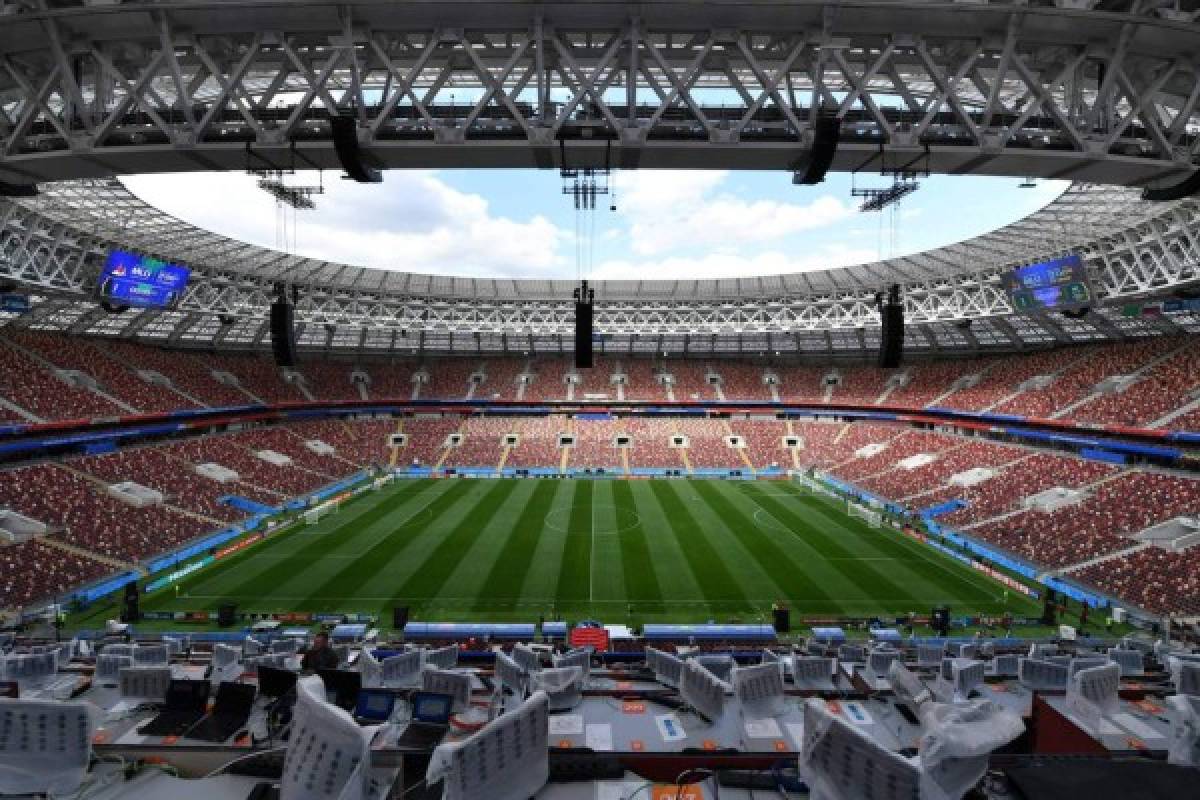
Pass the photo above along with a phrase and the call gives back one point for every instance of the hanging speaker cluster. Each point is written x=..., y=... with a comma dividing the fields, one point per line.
x=811, y=169
x=349, y=153
x=283, y=329
x=584, y=319
x=891, y=341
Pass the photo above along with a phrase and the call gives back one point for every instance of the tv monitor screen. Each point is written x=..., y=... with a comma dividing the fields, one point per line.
x=1057, y=285
x=133, y=280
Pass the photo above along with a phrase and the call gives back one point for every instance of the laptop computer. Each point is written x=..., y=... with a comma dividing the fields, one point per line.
x=344, y=685
x=374, y=706
x=186, y=704
x=430, y=721
x=230, y=713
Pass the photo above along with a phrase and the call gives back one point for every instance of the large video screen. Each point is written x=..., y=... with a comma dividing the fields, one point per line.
x=134, y=280
x=1058, y=285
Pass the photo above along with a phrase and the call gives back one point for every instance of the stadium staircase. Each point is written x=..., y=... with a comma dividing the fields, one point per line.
x=687, y=462
x=719, y=391
x=625, y=460
x=503, y=458
x=1183, y=410
x=774, y=393
x=828, y=396
x=108, y=561
x=362, y=391
x=741, y=451
x=1137, y=374
x=1019, y=392
x=16, y=409
x=1100, y=559
x=670, y=392
x=302, y=386
x=791, y=431
x=396, y=450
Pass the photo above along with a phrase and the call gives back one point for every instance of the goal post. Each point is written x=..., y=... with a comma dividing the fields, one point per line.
x=314, y=515
x=870, y=516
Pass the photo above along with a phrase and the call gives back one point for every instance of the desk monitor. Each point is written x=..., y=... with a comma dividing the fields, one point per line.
x=275, y=682
x=375, y=705
x=403, y=669
x=760, y=689
x=813, y=672
x=433, y=707
x=1006, y=665
x=343, y=684
x=455, y=684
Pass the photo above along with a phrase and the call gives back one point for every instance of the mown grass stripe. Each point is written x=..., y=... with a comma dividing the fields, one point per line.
x=861, y=573
x=501, y=589
x=720, y=588
x=311, y=552
x=354, y=574
x=934, y=567
x=430, y=578
x=801, y=586
x=641, y=584
x=575, y=572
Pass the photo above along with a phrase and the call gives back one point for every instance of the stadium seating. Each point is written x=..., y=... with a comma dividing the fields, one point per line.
x=256, y=374
x=500, y=381
x=329, y=380
x=66, y=500
x=594, y=444
x=1004, y=375
x=651, y=439
x=481, y=445
x=764, y=442
x=801, y=384
x=690, y=381
x=426, y=437
x=537, y=442
x=1125, y=504
x=642, y=382
x=233, y=450
x=742, y=381
x=908, y=443
x=929, y=380
x=391, y=380
x=185, y=371
x=450, y=378
x=597, y=381
x=707, y=446
x=33, y=571
x=548, y=382
x=1165, y=387
x=114, y=378
x=1077, y=381
x=860, y=385
x=26, y=383
x=361, y=441
x=1159, y=581
x=1031, y=475
x=960, y=456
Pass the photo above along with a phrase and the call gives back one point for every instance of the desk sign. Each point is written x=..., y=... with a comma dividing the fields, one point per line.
x=632, y=707
x=669, y=728
x=668, y=791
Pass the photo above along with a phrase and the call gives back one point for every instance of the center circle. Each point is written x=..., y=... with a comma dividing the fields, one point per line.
x=559, y=519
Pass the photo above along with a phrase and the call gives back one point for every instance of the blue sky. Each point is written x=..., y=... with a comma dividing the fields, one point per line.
x=668, y=224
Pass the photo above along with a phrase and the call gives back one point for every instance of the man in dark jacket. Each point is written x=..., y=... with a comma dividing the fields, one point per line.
x=320, y=655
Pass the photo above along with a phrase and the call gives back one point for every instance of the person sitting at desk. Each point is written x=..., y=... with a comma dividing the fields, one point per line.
x=320, y=655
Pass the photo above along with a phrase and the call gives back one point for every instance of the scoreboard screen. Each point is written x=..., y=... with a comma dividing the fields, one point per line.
x=144, y=282
x=1058, y=285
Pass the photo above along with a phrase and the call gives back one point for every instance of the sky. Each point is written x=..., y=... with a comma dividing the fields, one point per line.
x=667, y=224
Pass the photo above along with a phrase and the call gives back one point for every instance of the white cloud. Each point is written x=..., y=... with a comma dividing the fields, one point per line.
x=415, y=222
x=672, y=210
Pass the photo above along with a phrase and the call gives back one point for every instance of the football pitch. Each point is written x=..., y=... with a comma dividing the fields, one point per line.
x=614, y=550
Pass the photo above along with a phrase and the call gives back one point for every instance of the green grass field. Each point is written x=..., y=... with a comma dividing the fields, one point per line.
x=620, y=551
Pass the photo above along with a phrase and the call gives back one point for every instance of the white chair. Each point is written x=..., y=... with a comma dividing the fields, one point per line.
x=719, y=665
x=151, y=655
x=956, y=745
x=455, y=684
x=443, y=657
x=580, y=657
x=1130, y=661
x=668, y=668
x=1092, y=693
x=909, y=688
x=144, y=684
x=403, y=670
x=760, y=690
x=327, y=751
x=510, y=674
x=370, y=669
x=839, y=762
x=702, y=690
x=958, y=677
x=508, y=759
x=1086, y=662
x=1184, y=745
x=813, y=672
x=1034, y=673
x=108, y=668
x=45, y=746
x=527, y=658
x=563, y=686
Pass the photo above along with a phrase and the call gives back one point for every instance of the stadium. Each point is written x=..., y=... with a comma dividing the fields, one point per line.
x=914, y=517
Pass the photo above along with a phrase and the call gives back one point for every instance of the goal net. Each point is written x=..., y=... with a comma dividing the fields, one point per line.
x=872, y=518
x=315, y=514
